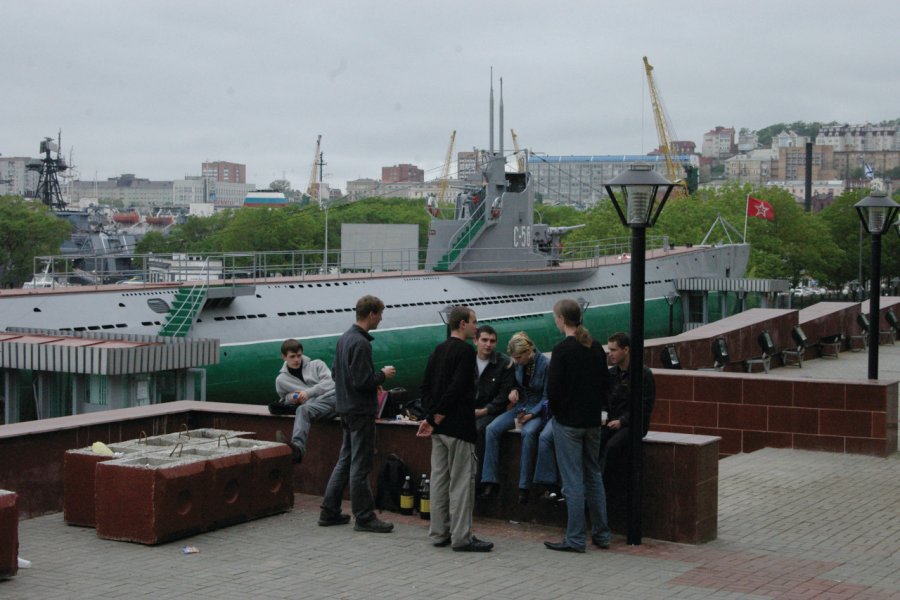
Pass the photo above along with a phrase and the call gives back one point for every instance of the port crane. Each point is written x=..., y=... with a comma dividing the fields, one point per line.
x=520, y=156
x=313, y=189
x=674, y=172
x=445, y=172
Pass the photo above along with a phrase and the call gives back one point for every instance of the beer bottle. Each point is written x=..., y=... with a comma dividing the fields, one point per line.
x=425, y=501
x=419, y=489
x=406, y=497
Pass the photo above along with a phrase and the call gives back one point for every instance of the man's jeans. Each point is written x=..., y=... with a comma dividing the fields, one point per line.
x=318, y=409
x=354, y=465
x=577, y=455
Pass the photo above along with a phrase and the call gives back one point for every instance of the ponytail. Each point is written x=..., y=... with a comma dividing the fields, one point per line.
x=570, y=312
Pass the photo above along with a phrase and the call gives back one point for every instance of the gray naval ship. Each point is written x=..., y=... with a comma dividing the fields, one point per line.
x=488, y=254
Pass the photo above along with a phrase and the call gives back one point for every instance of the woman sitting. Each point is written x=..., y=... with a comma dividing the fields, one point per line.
x=528, y=406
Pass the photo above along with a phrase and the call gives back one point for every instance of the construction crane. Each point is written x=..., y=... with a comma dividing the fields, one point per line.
x=313, y=190
x=663, y=129
x=520, y=156
x=445, y=172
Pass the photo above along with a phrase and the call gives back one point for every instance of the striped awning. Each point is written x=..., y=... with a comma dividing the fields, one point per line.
x=716, y=284
x=101, y=353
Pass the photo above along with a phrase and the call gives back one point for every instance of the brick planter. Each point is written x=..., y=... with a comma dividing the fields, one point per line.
x=229, y=489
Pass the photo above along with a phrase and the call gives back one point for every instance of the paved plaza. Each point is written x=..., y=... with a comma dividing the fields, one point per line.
x=792, y=525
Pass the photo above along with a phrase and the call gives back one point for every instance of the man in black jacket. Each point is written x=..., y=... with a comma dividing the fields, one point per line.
x=614, y=441
x=495, y=380
x=448, y=396
x=356, y=388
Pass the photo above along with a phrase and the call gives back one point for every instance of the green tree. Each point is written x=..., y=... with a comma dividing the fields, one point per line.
x=27, y=229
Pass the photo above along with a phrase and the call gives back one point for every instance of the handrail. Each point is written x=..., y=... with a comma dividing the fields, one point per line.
x=248, y=268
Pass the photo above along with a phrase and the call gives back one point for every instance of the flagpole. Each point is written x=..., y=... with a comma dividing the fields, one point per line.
x=746, y=213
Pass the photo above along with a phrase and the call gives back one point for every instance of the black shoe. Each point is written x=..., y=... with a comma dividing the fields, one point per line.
x=563, y=547
x=341, y=519
x=599, y=544
x=442, y=544
x=475, y=545
x=374, y=525
x=295, y=449
x=523, y=496
x=487, y=491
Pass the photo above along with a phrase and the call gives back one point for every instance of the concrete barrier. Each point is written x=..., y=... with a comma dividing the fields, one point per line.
x=9, y=534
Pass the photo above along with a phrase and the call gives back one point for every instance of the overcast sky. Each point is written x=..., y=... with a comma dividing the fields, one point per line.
x=155, y=88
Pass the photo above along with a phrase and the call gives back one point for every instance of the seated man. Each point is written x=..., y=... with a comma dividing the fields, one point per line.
x=614, y=436
x=307, y=383
x=495, y=380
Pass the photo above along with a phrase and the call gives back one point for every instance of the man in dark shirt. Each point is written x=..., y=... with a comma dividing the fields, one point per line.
x=356, y=387
x=495, y=380
x=614, y=443
x=448, y=396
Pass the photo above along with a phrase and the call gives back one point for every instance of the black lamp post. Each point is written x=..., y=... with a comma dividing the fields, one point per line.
x=641, y=194
x=877, y=212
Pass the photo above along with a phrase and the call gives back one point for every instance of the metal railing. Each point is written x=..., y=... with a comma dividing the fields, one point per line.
x=239, y=268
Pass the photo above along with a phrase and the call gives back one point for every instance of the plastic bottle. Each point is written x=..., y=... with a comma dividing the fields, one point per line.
x=406, y=497
x=425, y=501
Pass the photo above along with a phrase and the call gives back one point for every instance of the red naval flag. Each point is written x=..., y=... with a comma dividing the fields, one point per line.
x=759, y=208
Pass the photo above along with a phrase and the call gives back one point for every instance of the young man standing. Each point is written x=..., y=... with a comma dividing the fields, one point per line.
x=614, y=441
x=306, y=383
x=448, y=396
x=356, y=386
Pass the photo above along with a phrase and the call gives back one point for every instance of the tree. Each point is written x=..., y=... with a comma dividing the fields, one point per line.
x=27, y=229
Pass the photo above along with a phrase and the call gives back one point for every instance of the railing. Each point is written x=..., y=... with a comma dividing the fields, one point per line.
x=247, y=268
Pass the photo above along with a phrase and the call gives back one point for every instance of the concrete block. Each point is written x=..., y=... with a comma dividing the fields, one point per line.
x=79, y=482
x=150, y=499
x=272, y=470
x=9, y=534
x=230, y=484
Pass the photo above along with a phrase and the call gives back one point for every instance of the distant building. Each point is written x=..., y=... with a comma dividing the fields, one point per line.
x=127, y=189
x=403, y=173
x=822, y=190
x=789, y=139
x=860, y=138
x=792, y=163
x=881, y=161
x=718, y=143
x=15, y=178
x=579, y=180
x=198, y=189
x=468, y=166
x=362, y=188
x=680, y=147
x=225, y=171
x=747, y=141
x=753, y=167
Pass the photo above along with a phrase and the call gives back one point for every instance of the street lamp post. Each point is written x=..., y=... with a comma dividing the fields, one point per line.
x=642, y=192
x=671, y=297
x=877, y=212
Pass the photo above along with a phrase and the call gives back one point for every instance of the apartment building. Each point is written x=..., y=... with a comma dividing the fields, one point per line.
x=718, y=143
x=579, y=180
x=402, y=173
x=15, y=178
x=225, y=171
x=860, y=138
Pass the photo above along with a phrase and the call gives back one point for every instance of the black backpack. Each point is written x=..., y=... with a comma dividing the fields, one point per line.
x=390, y=480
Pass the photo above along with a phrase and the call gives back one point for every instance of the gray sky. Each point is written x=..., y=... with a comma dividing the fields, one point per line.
x=156, y=87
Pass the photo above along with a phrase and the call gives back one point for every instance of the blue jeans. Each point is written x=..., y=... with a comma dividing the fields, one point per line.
x=354, y=465
x=545, y=470
x=577, y=455
x=494, y=434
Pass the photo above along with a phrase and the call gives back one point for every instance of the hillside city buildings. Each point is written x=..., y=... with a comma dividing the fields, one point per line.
x=840, y=156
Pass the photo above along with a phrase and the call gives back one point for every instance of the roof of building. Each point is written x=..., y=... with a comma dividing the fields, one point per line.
x=100, y=353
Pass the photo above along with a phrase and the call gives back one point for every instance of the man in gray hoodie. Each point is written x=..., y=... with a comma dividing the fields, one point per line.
x=308, y=384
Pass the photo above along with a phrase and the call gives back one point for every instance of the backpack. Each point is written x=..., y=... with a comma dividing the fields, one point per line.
x=390, y=480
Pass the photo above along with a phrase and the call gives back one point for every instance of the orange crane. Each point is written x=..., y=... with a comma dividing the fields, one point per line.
x=663, y=129
x=445, y=172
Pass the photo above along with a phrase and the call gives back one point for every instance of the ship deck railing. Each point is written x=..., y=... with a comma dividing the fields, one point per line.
x=242, y=268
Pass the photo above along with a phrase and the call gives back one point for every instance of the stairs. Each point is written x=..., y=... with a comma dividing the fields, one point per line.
x=184, y=311
x=462, y=241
